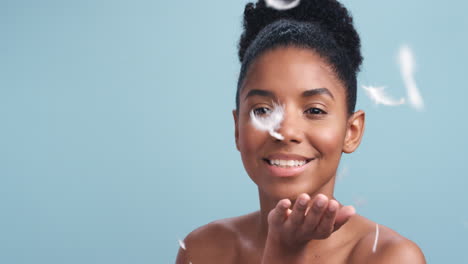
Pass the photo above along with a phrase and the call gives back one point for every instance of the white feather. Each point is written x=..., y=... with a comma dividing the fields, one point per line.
x=182, y=244
x=407, y=67
x=282, y=4
x=378, y=95
x=376, y=240
x=270, y=122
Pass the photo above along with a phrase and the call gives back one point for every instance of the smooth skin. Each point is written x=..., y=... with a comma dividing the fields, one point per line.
x=299, y=220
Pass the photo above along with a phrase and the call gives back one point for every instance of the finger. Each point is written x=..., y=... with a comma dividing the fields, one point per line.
x=315, y=213
x=343, y=215
x=327, y=223
x=278, y=215
x=298, y=213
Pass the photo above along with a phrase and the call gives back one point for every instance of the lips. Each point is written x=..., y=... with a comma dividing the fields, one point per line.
x=286, y=165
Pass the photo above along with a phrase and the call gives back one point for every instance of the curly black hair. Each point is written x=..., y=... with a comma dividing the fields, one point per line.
x=324, y=26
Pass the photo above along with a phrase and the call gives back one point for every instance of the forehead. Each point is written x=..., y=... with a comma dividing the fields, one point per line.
x=291, y=71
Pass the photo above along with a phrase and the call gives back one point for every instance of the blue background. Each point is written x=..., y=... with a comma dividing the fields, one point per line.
x=116, y=134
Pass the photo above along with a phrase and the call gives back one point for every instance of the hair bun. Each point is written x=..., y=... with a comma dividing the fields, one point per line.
x=330, y=14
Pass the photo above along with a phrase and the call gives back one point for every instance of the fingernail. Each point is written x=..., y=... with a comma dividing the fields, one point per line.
x=285, y=204
x=320, y=202
x=303, y=202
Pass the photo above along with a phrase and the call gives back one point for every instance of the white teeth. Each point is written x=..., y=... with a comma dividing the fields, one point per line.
x=287, y=163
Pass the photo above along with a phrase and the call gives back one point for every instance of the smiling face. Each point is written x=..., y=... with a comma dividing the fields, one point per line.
x=316, y=126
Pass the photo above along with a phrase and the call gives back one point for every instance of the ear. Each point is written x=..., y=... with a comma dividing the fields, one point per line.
x=354, y=131
x=236, y=127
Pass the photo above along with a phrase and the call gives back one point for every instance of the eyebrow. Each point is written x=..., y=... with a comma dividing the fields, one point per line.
x=258, y=92
x=308, y=93
x=318, y=91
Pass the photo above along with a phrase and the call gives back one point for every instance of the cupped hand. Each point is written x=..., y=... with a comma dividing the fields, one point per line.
x=308, y=220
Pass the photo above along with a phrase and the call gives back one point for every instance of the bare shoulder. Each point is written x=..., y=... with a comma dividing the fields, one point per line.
x=380, y=244
x=215, y=242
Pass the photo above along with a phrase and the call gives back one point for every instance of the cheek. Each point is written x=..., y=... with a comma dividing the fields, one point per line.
x=329, y=139
x=249, y=139
x=250, y=146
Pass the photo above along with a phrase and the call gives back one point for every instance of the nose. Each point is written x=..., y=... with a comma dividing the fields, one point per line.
x=290, y=128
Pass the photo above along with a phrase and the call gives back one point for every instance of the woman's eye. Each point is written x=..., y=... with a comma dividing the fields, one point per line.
x=261, y=111
x=315, y=111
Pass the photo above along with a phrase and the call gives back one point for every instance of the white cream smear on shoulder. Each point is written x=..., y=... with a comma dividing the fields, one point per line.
x=270, y=122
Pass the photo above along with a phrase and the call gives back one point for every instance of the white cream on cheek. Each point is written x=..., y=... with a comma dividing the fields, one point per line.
x=269, y=122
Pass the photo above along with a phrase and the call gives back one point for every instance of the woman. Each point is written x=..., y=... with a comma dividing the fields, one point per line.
x=306, y=60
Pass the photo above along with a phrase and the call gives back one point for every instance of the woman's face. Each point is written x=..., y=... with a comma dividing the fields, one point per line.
x=316, y=127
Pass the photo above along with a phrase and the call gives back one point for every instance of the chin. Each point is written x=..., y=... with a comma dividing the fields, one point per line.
x=291, y=188
x=282, y=191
